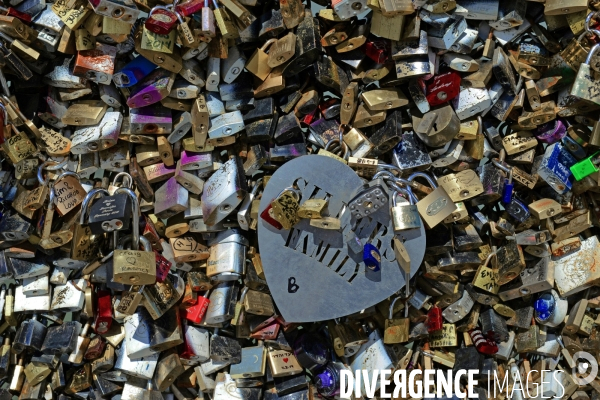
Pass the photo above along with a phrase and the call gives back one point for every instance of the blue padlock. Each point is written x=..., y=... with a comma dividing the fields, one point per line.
x=371, y=257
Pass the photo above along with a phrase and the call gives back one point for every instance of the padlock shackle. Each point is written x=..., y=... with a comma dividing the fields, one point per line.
x=179, y=17
x=499, y=164
x=256, y=186
x=384, y=174
x=404, y=192
x=52, y=198
x=65, y=174
x=423, y=175
x=5, y=113
x=85, y=205
x=293, y=190
x=155, y=8
x=592, y=52
x=489, y=258
x=391, y=309
x=267, y=43
x=146, y=245
x=588, y=19
x=135, y=209
x=126, y=178
x=244, y=293
x=13, y=105
x=40, y=175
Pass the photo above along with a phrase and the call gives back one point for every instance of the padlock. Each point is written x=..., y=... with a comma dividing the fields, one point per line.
x=405, y=216
x=438, y=126
x=370, y=199
x=217, y=204
x=61, y=338
x=30, y=335
x=227, y=256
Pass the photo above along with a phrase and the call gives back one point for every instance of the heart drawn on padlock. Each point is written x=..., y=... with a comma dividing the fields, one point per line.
x=131, y=260
x=312, y=273
x=285, y=360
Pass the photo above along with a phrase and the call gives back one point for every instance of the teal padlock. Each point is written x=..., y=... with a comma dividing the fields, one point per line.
x=586, y=166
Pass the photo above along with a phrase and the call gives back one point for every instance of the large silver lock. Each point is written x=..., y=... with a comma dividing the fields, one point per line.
x=405, y=216
x=223, y=191
x=227, y=256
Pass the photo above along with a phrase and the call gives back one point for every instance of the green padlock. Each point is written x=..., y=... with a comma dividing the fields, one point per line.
x=586, y=166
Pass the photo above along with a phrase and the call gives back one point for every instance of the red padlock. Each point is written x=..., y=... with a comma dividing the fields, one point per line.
x=310, y=118
x=189, y=7
x=483, y=344
x=269, y=332
x=163, y=266
x=103, y=320
x=11, y=12
x=434, y=319
x=443, y=88
x=161, y=20
x=197, y=312
x=267, y=215
x=378, y=50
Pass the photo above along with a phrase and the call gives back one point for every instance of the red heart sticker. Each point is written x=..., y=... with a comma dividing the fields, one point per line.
x=285, y=360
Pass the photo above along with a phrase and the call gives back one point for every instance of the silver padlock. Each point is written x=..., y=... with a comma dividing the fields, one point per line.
x=223, y=191
x=405, y=216
x=69, y=297
x=170, y=199
x=213, y=74
x=226, y=125
x=222, y=303
x=137, y=367
x=243, y=215
x=459, y=309
x=227, y=257
x=91, y=139
x=233, y=65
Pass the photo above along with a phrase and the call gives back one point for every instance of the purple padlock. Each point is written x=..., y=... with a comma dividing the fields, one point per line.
x=551, y=132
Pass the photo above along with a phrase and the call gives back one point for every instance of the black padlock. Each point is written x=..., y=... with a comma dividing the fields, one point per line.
x=387, y=136
x=253, y=281
x=14, y=227
x=467, y=358
x=263, y=108
x=239, y=89
x=331, y=75
x=290, y=384
x=308, y=45
x=272, y=25
x=110, y=213
x=411, y=154
x=323, y=131
x=61, y=339
x=522, y=318
x=262, y=130
x=493, y=326
x=288, y=127
x=225, y=349
x=30, y=335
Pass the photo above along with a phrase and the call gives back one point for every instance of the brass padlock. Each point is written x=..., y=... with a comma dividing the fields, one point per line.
x=135, y=267
x=396, y=330
x=285, y=207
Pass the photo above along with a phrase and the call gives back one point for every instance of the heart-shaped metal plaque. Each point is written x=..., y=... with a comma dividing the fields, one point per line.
x=311, y=272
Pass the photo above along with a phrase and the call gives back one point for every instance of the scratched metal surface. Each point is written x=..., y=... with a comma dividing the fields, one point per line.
x=310, y=271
